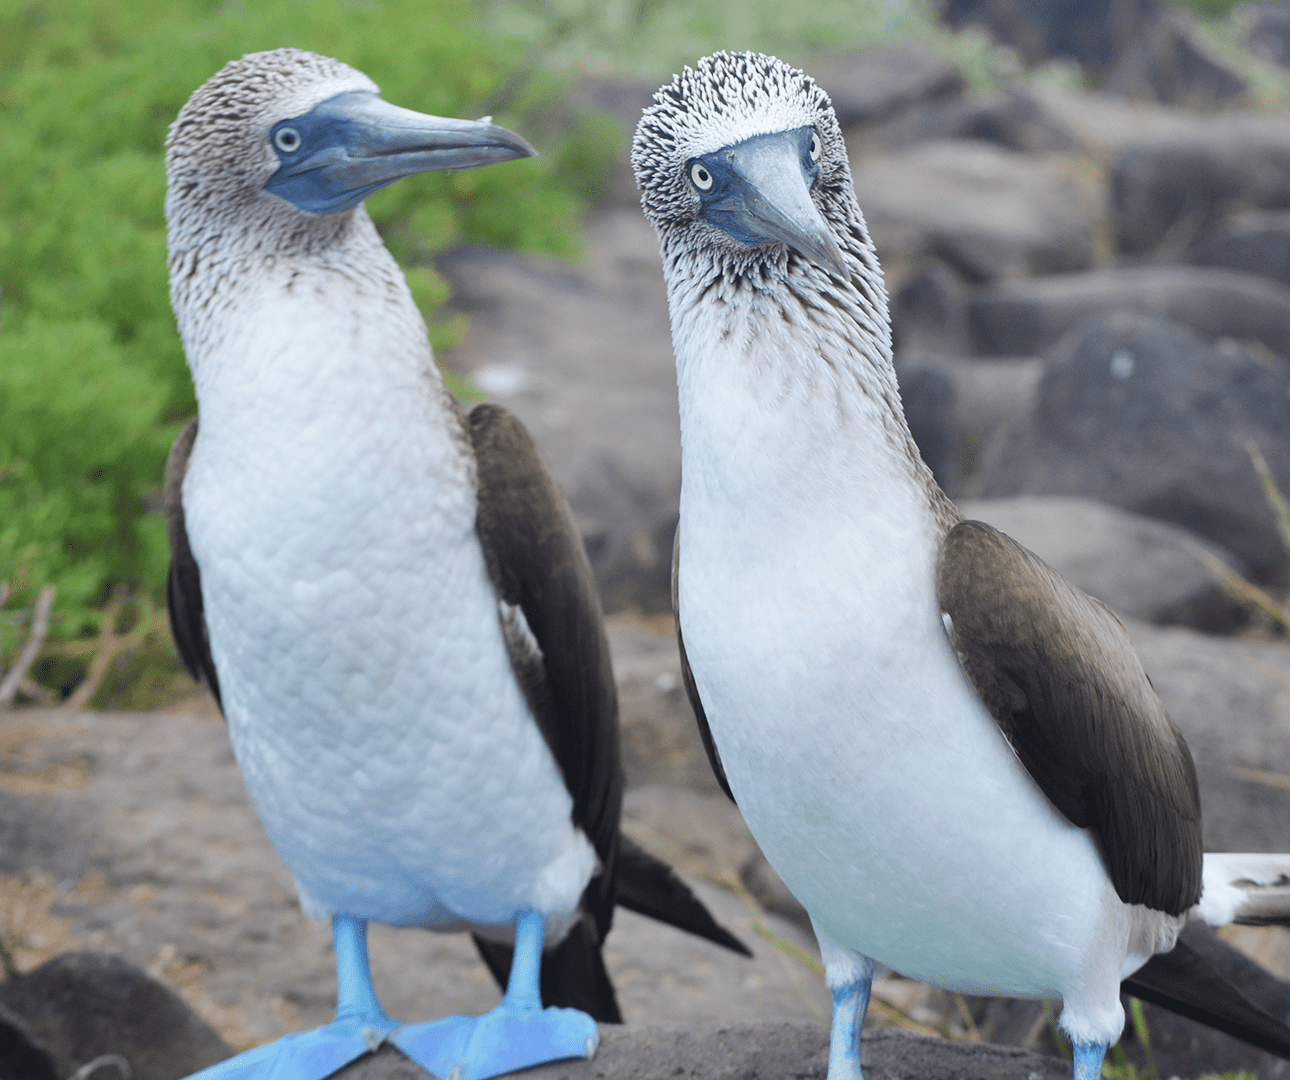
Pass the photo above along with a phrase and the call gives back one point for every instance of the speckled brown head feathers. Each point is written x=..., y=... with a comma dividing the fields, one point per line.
x=218, y=148
x=725, y=99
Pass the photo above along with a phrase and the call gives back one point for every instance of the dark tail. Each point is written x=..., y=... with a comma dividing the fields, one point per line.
x=573, y=973
x=1186, y=983
x=647, y=885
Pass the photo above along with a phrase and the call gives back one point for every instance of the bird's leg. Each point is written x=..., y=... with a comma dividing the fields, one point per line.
x=357, y=1009
x=360, y=1025
x=849, y=975
x=850, y=1002
x=517, y=1034
x=1088, y=1060
x=522, y=987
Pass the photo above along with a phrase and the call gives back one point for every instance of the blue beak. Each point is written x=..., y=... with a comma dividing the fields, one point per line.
x=334, y=156
x=760, y=192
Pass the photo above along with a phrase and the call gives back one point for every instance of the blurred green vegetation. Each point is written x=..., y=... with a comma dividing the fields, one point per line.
x=93, y=383
x=1211, y=8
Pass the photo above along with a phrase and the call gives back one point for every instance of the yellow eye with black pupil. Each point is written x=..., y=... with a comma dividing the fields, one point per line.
x=700, y=176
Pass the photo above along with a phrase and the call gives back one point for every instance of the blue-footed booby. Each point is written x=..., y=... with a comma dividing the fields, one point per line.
x=951, y=756
x=389, y=597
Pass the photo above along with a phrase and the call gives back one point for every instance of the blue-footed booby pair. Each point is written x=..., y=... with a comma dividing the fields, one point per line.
x=951, y=756
x=388, y=597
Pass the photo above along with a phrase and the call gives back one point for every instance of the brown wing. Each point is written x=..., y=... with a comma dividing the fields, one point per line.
x=537, y=563
x=184, y=585
x=1056, y=670
x=687, y=677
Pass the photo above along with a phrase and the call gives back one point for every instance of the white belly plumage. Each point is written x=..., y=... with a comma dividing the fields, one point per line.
x=868, y=771
x=847, y=791
x=388, y=749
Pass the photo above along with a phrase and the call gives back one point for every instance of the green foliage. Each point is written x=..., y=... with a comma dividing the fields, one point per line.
x=82, y=440
x=1211, y=8
x=93, y=381
x=656, y=37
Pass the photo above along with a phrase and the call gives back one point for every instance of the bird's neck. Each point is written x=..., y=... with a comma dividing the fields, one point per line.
x=298, y=326
x=801, y=488
x=788, y=397
x=324, y=349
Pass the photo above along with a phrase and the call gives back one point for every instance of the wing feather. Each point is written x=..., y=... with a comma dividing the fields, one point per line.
x=687, y=678
x=537, y=563
x=1056, y=670
x=184, y=584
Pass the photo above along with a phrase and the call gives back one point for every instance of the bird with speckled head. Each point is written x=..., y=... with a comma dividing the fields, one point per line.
x=387, y=595
x=952, y=757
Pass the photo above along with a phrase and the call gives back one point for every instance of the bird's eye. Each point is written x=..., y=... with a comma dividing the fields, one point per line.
x=815, y=147
x=701, y=177
x=287, y=140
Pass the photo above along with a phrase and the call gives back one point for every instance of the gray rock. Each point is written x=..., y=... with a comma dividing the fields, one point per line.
x=986, y=211
x=768, y=889
x=1269, y=35
x=1140, y=567
x=22, y=1057
x=1090, y=32
x=582, y=354
x=1167, y=189
x=927, y=395
x=1134, y=48
x=1026, y=318
x=1231, y=698
x=929, y=311
x=1161, y=61
x=875, y=83
x=1143, y=414
x=1109, y=126
x=1253, y=242
x=745, y=1051
x=992, y=394
x=1016, y=118
x=85, y=1005
x=660, y=742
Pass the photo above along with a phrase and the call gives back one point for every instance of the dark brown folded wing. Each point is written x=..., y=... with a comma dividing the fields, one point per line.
x=184, y=585
x=687, y=677
x=537, y=563
x=1058, y=673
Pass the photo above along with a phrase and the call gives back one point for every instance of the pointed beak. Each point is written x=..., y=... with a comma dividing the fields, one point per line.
x=766, y=196
x=351, y=145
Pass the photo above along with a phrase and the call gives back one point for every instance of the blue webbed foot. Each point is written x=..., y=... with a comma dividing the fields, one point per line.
x=310, y=1055
x=500, y=1041
x=360, y=1025
x=518, y=1034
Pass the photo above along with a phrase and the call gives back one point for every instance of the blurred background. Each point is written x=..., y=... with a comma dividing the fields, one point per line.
x=93, y=383
x=1082, y=208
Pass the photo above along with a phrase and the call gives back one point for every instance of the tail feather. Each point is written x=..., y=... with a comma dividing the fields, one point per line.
x=573, y=974
x=1186, y=983
x=649, y=886
x=1253, y=889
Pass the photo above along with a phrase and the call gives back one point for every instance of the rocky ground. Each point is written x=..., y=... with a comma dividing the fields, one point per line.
x=1090, y=301
x=131, y=833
